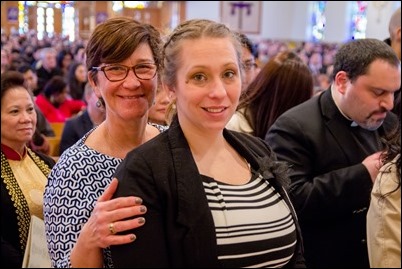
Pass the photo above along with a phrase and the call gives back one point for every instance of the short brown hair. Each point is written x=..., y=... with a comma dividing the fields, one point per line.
x=117, y=38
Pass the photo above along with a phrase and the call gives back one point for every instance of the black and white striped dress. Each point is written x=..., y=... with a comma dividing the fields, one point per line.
x=254, y=226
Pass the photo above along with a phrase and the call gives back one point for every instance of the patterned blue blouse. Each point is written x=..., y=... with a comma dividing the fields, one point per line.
x=74, y=185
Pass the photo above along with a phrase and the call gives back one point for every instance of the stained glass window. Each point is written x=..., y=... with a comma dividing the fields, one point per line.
x=22, y=19
x=359, y=20
x=319, y=20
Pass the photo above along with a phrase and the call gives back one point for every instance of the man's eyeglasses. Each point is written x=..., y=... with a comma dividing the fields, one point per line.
x=118, y=72
x=249, y=65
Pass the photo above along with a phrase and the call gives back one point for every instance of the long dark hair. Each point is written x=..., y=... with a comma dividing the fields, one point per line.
x=392, y=144
x=284, y=82
x=76, y=88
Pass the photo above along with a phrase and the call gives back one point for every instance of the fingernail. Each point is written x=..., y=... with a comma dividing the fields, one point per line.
x=141, y=220
x=143, y=209
x=138, y=201
x=133, y=237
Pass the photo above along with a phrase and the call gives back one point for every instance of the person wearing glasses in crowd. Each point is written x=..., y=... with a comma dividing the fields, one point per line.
x=123, y=57
x=250, y=67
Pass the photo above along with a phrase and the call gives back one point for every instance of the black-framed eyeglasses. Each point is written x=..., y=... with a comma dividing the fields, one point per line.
x=118, y=72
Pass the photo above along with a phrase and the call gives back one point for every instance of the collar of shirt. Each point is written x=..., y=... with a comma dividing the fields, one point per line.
x=12, y=154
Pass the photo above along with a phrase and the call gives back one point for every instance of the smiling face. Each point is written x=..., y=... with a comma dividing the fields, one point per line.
x=130, y=98
x=18, y=118
x=370, y=96
x=208, y=84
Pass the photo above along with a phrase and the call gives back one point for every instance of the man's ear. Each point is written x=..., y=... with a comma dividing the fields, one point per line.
x=341, y=80
x=398, y=34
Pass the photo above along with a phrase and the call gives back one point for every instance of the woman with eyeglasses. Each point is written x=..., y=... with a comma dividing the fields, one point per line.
x=248, y=58
x=81, y=220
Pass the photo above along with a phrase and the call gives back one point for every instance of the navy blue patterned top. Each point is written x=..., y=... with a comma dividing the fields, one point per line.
x=74, y=185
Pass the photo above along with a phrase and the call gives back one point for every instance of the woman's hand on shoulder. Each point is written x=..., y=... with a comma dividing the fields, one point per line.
x=111, y=218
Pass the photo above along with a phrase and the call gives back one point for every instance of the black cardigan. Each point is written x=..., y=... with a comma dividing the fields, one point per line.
x=171, y=188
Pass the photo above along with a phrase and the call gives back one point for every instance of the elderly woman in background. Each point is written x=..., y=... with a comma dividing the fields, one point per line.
x=23, y=171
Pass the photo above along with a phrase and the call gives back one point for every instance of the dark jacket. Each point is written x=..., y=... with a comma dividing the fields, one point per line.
x=182, y=232
x=330, y=187
x=15, y=216
x=74, y=129
x=44, y=76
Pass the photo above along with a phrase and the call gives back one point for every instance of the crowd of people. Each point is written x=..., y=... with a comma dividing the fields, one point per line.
x=171, y=159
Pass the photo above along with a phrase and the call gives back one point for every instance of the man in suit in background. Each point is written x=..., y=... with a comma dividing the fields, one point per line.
x=332, y=144
x=78, y=126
